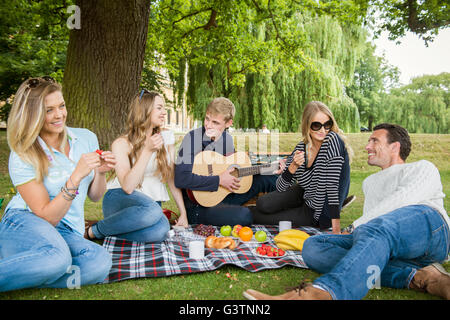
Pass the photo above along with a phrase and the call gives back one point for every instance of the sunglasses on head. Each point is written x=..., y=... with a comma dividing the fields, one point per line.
x=34, y=82
x=316, y=126
x=142, y=93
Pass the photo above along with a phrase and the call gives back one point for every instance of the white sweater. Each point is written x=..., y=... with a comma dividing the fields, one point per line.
x=402, y=185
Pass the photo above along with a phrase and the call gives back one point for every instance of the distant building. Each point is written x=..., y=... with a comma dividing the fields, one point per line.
x=177, y=119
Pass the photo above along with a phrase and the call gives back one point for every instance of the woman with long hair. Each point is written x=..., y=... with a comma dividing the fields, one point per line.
x=53, y=167
x=315, y=179
x=145, y=163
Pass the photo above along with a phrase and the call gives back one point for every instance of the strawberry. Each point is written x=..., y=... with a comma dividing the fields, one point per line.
x=99, y=151
x=281, y=252
x=270, y=254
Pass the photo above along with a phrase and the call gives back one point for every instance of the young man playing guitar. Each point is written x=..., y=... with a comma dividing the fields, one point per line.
x=212, y=136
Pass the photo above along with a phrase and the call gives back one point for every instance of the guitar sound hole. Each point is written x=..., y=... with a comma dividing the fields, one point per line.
x=235, y=172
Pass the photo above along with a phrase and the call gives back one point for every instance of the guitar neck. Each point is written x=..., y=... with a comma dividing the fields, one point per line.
x=250, y=171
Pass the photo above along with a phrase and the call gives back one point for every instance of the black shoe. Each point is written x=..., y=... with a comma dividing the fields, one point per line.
x=348, y=201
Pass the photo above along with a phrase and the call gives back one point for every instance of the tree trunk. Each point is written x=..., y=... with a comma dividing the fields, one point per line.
x=104, y=65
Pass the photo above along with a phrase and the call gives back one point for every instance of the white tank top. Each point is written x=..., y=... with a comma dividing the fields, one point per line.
x=152, y=185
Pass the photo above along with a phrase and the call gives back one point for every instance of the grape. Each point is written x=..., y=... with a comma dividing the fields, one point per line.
x=205, y=230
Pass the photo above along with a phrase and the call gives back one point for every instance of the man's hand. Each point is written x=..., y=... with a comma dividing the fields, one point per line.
x=228, y=181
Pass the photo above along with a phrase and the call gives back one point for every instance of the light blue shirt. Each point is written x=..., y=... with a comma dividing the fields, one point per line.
x=61, y=167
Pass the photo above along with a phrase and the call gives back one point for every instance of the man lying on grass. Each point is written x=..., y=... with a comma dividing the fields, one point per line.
x=399, y=240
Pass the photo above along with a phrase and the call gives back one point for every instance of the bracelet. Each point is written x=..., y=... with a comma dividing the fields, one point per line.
x=73, y=184
x=68, y=195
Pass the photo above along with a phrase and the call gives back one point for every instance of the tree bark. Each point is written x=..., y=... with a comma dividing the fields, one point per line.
x=104, y=65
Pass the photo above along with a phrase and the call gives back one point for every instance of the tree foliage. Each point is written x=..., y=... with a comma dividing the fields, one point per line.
x=269, y=56
x=33, y=42
x=277, y=96
x=422, y=106
x=424, y=18
x=373, y=77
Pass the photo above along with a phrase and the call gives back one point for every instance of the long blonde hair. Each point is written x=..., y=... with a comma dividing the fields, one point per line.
x=139, y=120
x=311, y=109
x=26, y=120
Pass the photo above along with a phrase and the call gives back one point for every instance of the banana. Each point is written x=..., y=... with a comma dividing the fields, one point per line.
x=291, y=239
x=285, y=246
x=295, y=243
x=294, y=233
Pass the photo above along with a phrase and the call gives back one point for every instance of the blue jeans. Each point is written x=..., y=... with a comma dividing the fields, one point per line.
x=230, y=211
x=33, y=253
x=387, y=250
x=133, y=217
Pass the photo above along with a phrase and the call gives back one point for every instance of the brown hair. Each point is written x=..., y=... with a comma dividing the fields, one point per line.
x=396, y=133
x=222, y=106
x=139, y=120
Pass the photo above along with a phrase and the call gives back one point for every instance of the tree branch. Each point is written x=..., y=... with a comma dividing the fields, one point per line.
x=192, y=14
x=210, y=24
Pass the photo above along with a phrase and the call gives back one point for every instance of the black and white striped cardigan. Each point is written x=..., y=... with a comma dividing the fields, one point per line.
x=321, y=179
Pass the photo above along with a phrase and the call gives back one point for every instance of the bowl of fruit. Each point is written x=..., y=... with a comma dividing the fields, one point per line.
x=267, y=251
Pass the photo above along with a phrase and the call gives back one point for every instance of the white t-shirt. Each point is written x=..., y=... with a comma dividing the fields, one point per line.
x=152, y=185
x=402, y=185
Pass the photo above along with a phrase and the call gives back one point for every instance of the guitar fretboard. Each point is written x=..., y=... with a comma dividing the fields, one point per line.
x=249, y=171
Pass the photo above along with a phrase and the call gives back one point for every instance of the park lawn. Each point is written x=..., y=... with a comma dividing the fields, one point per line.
x=216, y=285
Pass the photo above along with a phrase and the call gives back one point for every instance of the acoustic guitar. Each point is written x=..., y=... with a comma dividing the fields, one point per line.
x=210, y=163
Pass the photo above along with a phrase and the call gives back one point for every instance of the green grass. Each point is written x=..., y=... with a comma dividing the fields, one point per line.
x=215, y=284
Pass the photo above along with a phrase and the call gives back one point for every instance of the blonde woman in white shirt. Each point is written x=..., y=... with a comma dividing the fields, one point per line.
x=145, y=163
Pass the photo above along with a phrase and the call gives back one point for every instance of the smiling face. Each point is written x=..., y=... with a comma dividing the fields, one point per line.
x=158, y=114
x=215, y=125
x=380, y=152
x=56, y=114
x=319, y=136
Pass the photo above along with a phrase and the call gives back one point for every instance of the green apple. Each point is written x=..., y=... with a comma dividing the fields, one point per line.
x=225, y=231
x=260, y=236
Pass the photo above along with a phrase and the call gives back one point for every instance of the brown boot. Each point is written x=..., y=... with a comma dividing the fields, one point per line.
x=87, y=225
x=432, y=279
x=302, y=292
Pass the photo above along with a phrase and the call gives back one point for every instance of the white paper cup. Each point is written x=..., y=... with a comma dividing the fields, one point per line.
x=196, y=249
x=284, y=225
x=171, y=234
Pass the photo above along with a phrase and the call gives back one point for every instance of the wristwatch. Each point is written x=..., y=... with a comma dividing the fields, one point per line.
x=348, y=229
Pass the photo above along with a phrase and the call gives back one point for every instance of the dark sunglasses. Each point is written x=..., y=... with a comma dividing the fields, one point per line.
x=34, y=82
x=316, y=126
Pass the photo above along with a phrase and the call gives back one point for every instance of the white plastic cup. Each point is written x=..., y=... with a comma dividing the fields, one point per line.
x=196, y=250
x=284, y=225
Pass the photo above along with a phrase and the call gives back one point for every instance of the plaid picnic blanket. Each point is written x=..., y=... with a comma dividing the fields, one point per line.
x=141, y=260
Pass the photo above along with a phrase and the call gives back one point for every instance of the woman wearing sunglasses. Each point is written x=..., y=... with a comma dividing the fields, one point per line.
x=53, y=168
x=145, y=163
x=315, y=179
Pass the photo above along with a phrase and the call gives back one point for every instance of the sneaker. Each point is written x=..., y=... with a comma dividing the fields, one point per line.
x=348, y=201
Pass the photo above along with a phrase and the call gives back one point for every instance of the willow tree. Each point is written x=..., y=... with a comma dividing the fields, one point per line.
x=423, y=106
x=237, y=38
x=276, y=96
